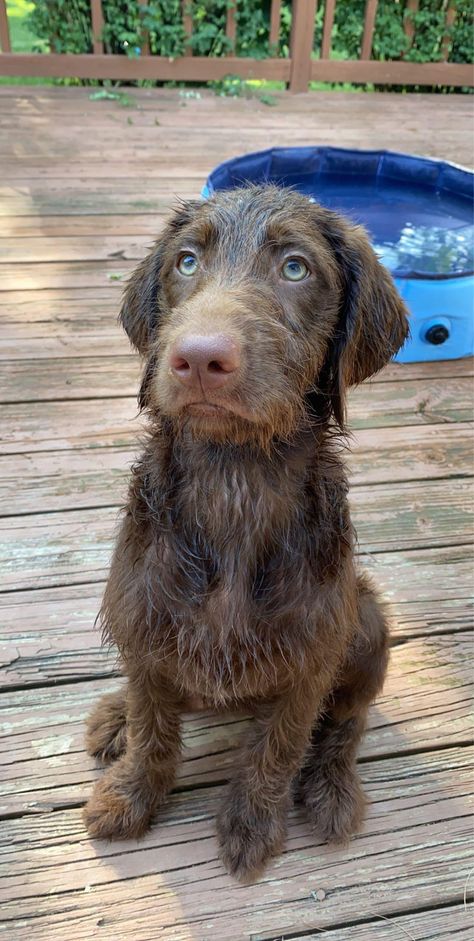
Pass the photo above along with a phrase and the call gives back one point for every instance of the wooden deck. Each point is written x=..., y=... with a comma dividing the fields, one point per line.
x=85, y=186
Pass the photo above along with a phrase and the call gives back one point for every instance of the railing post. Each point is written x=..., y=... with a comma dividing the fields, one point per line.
x=97, y=20
x=329, y=10
x=231, y=26
x=275, y=17
x=369, y=23
x=4, y=31
x=187, y=26
x=301, y=44
x=408, y=24
x=447, y=38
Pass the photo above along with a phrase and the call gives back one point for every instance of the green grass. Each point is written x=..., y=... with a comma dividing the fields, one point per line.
x=22, y=39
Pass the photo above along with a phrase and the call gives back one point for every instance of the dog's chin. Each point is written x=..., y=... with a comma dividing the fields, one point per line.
x=227, y=424
x=207, y=411
x=217, y=422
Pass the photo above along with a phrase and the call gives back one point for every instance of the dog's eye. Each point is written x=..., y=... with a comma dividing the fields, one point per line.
x=294, y=270
x=187, y=264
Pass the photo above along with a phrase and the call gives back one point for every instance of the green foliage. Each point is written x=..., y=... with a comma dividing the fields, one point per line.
x=64, y=25
x=390, y=40
x=232, y=86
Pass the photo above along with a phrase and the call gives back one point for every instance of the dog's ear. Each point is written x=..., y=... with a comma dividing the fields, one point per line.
x=372, y=323
x=140, y=311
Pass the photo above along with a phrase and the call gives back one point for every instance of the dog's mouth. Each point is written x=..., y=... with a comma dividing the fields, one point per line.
x=216, y=412
x=206, y=409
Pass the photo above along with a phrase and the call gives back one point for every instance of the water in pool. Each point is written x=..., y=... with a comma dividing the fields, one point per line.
x=415, y=233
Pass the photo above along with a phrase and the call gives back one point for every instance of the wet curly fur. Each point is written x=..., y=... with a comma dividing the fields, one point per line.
x=233, y=580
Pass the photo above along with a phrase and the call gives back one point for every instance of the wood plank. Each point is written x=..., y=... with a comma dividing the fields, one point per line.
x=203, y=68
x=47, y=549
x=431, y=401
x=77, y=248
x=413, y=514
x=49, y=635
x=44, y=426
x=59, y=227
x=50, y=100
x=445, y=924
x=55, y=323
x=156, y=68
x=426, y=704
x=85, y=477
x=410, y=453
x=172, y=886
x=373, y=404
x=58, y=480
x=70, y=378
x=391, y=73
x=163, y=126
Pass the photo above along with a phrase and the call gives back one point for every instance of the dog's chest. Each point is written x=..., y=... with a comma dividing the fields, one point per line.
x=235, y=578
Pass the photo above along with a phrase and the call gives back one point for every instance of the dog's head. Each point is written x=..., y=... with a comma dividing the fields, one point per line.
x=255, y=310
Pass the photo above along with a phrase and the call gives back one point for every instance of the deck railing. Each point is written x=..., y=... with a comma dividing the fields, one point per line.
x=297, y=70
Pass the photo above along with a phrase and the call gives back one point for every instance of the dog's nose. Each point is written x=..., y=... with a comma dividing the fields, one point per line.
x=207, y=362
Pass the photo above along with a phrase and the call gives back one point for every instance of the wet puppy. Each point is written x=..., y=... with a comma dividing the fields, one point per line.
x=233, y=580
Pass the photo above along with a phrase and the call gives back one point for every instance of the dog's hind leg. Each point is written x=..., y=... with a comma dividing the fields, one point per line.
x=328, y=784
x=106, y=730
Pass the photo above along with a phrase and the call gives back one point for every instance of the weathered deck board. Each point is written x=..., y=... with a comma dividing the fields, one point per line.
x=426, y=704
x=85, y=477
x=85, y=188
x=418, y=401
x=47, y=549
x=156, y=891
x=48, y=635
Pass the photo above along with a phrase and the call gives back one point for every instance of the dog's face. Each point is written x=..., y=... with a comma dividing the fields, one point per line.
x=255, y=310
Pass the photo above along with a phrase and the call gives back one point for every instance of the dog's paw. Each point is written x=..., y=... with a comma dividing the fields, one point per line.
x=116, y=811
x=106, y=731
x=249, y=838
x=335, y=803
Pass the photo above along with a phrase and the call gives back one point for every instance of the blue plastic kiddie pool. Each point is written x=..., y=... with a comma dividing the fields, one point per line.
x=419, y=214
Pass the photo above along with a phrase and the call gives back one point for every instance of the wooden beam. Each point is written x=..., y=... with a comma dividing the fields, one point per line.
x=4, y=31
x=392, y=73
x=97, y=19
x=369, y=23
x=328, y=24
x=159, y=68
x=202, y=68
x=301, y=44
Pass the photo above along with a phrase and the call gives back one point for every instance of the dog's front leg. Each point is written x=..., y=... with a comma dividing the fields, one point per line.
x=127, y=795
x=252, y=823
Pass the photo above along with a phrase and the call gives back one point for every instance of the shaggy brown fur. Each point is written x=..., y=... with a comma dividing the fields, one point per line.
x=233, y=580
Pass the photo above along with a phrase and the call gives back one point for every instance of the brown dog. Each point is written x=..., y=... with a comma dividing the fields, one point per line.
x=233, y=579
